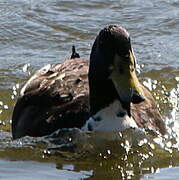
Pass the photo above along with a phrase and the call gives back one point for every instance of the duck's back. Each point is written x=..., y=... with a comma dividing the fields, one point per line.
x=54, y=97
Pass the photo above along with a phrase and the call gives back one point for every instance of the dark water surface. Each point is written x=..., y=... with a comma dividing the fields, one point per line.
x=37, y=32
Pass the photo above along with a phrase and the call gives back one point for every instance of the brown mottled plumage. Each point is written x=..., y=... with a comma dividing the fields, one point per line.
x=54, y=97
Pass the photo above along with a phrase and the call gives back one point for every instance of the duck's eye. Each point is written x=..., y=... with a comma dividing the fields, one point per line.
x=127, y=55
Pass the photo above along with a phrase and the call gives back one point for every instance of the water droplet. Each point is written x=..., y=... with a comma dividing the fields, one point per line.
x=15, y=93
x=108, y=151
x=177, y=78
x=25, y=67
x=14, y=88
x=6, y=107
x=17, y=86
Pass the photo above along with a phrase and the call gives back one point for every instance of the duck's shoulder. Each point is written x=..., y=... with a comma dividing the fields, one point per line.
x=64, y=78
x=147, y=115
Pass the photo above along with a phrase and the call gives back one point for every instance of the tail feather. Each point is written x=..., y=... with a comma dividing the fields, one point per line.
x=74, y=53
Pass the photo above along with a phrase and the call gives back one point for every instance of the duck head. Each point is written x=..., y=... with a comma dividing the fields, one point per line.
x=112, y=72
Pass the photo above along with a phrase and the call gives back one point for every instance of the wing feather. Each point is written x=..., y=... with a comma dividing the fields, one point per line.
x=54, y=97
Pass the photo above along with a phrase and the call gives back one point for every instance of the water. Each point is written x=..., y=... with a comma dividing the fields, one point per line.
x=45, y=171
x=164, y=174
x=34, y=33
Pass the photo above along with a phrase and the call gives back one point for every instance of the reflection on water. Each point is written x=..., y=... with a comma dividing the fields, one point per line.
x=164, y=174
x=128, y=157
x=33, y=170
x=34, y=33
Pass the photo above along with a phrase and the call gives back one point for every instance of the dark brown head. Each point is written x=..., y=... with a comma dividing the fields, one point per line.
x=112, y=73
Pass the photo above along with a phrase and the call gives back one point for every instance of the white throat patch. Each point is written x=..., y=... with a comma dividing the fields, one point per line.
x=111, y=118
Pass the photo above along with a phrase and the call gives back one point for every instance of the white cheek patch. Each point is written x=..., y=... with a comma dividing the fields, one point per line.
x=111, y=118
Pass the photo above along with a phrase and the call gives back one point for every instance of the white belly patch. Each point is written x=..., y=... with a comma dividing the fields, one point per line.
x=111, y=118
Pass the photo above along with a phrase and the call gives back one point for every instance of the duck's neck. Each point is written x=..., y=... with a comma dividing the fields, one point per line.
x=101, y=89
x=101, y=95
x=102, y=92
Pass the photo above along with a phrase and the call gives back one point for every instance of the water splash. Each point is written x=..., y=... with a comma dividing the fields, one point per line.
x=168, y=104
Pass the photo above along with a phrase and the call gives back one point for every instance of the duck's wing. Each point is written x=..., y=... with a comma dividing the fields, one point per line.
x=54, y=97
x=146, y=114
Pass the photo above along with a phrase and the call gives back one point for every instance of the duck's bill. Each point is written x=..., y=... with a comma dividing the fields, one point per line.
x=125, y=79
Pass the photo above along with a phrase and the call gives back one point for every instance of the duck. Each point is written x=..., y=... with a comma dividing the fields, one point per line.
x=100, y=94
